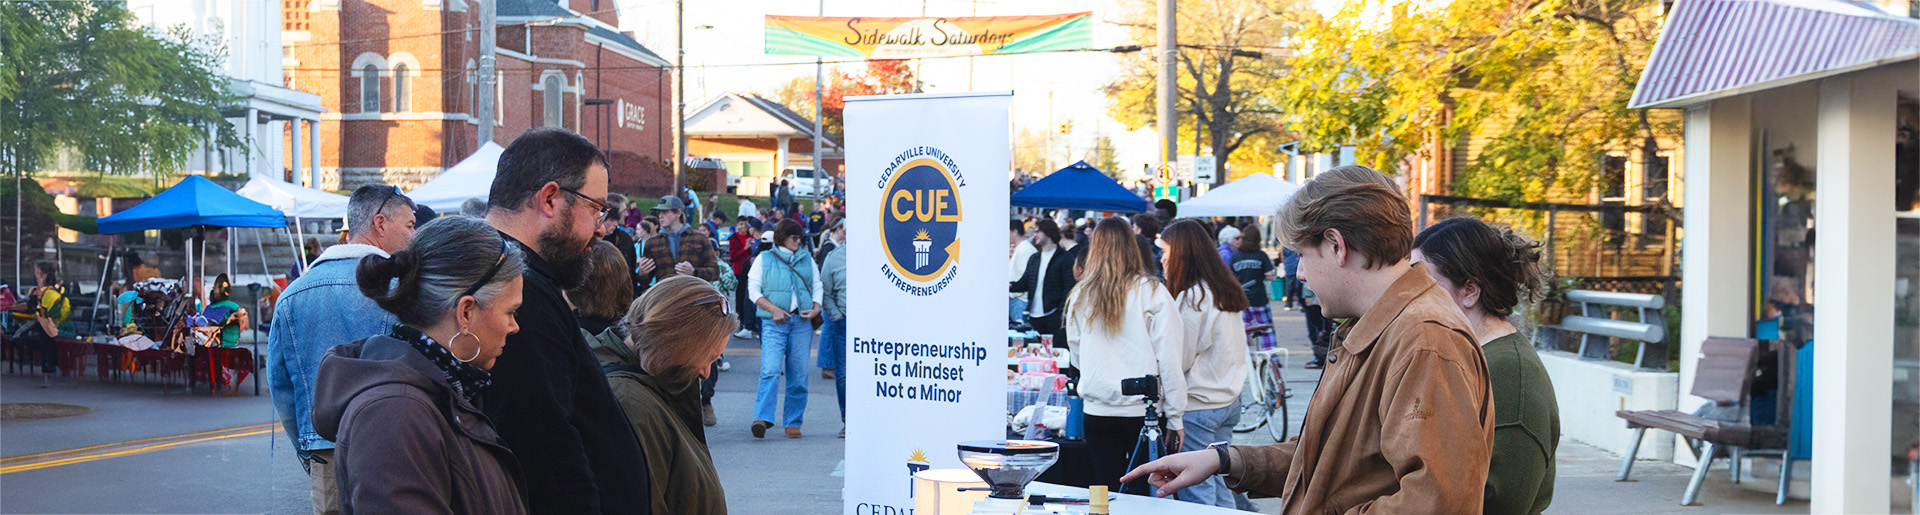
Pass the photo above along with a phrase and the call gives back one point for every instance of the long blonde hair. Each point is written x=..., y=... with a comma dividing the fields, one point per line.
x=675, y=325
x=1113, y=267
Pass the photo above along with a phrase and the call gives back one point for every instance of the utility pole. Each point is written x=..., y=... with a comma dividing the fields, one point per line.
x=1163, y=91
x=679, y=93
x=819, y=107
x=484, y=77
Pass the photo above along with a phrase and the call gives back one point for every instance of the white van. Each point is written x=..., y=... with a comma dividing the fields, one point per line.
x=802, y=182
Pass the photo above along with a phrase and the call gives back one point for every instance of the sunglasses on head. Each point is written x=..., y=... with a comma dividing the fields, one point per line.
x=718, y=300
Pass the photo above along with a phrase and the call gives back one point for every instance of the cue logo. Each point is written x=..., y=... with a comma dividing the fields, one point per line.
x=920, y=220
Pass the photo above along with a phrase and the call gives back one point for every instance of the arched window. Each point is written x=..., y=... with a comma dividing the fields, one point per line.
x=402, y=89
x=370, y=89
x=552, y=85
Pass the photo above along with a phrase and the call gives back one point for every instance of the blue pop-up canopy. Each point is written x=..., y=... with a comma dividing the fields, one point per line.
x=1080, y=186
x=195, y=201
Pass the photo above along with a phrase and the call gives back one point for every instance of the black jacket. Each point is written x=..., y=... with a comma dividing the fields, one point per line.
x=1059, y=280
x=550, y=401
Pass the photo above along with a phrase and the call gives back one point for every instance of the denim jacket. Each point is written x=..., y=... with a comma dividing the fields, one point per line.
x=319, y=311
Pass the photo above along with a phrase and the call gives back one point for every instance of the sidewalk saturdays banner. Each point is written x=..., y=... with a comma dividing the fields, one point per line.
x=926, y=287
x=903, y=38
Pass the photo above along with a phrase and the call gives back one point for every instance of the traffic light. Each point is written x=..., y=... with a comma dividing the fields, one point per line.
x=1066, y=127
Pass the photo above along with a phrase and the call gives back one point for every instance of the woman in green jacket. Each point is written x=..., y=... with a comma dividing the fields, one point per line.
x=1488, y=271
x=674, y=333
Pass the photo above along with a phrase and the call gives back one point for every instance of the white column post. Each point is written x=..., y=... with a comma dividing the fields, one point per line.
x=254, y=142
x=1719, y=178
x=1853, y=289
x=313, y=152
x=780, y=158
x=294, y=144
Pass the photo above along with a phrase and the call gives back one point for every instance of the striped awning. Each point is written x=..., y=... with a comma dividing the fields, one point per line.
x=1718, y=48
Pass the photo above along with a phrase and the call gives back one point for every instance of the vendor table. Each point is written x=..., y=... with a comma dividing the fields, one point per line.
x=1126, y=504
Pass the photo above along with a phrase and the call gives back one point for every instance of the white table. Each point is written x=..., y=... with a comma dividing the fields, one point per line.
x=1128, y=504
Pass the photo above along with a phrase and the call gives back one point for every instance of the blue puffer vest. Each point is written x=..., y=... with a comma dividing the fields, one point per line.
x=781, y=284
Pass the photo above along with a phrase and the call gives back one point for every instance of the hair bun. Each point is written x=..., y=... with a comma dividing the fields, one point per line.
x=391, y=282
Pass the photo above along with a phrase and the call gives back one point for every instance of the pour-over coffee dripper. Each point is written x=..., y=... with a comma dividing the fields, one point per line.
x=1007, y=466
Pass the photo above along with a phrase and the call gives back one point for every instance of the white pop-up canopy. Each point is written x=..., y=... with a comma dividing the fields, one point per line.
x=295, y=201
x=470, y=178
x=1254, y=195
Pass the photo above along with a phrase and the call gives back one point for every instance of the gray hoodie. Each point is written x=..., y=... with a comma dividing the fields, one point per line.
x=405, y=442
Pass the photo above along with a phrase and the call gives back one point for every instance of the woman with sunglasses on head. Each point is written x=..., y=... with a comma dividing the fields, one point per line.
x=673, y=335
x=402, y=408
x=1488, y=271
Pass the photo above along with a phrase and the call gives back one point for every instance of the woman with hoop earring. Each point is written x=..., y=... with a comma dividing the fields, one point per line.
x=402, y=407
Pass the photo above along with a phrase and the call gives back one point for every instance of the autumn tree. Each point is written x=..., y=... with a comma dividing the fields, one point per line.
x=1545, y=82
x=881, y=77
x=1233, y=57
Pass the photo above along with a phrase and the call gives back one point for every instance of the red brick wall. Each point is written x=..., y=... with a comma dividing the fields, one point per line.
x=437, y=40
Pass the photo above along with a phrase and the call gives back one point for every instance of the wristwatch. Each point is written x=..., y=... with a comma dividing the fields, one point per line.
x=1226, y=460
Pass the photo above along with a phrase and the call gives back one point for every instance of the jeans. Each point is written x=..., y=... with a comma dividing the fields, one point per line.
x=1205, y=427
x=1016, y=309
x=783, y=349
x=833, y=354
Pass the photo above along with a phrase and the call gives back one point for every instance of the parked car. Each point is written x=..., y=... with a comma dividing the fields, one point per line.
x=801, y=179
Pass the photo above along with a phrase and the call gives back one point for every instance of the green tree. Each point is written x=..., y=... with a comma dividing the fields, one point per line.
x=1105, y=156
x=1233, y=57
x=1546, y=82
x=85, y=77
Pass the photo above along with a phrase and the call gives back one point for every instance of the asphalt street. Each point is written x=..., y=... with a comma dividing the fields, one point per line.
x=142, y=451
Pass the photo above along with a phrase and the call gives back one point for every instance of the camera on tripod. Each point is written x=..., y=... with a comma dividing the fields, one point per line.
x=1148, y=386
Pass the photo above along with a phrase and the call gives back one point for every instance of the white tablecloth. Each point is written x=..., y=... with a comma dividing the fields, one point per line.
x=1125, y=504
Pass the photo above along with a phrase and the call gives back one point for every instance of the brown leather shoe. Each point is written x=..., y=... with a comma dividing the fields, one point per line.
x=793, y=432
x=760, y=428
x=706, y=416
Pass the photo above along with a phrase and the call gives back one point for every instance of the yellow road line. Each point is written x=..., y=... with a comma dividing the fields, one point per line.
x=36, y=465
x=66, y=451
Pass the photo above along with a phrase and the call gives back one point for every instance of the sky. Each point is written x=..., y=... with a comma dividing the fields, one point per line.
x=1048, y=87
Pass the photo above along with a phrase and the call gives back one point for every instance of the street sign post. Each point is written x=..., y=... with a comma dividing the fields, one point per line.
x=1204, y=169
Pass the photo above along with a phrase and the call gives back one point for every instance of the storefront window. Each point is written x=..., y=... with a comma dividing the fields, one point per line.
x=1906, y=303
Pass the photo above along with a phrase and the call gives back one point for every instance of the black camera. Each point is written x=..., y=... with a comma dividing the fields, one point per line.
x=1148, y=386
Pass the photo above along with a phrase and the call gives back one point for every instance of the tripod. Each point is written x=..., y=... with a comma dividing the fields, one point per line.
x=1146, y=448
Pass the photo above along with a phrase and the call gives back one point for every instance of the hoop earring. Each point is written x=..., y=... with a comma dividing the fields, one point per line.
x=476, y=346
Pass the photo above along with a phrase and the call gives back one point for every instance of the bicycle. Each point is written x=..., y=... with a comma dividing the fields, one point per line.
x=1266, y=393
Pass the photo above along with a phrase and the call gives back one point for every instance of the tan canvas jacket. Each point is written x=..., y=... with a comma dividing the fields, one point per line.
x=1401, y=423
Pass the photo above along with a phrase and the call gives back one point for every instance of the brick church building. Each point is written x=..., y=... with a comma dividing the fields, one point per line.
x=397, y=78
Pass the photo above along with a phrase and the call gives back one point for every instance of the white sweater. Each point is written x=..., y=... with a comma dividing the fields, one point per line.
x=1148, y=343
x=1215, y=350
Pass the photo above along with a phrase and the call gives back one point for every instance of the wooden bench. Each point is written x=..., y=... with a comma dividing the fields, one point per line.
x=1724, y=377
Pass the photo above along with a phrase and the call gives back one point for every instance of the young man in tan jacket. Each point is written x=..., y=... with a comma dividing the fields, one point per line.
x=1402, y=421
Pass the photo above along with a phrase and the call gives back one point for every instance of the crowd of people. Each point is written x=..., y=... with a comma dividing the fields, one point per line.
x=548, y=349
x=1430, y=399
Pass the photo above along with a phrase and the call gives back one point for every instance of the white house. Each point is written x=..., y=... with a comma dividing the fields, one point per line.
x=251, y=31
x=1801, y=120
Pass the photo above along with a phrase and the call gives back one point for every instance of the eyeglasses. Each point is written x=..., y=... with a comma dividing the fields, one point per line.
x=605, y=210
x=719, y=300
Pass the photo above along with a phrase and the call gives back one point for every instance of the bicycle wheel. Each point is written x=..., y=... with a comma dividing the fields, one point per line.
x=1251, y=394
x=1276, y=406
